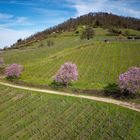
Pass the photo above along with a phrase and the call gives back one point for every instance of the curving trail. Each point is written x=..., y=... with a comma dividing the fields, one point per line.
x=132, y=106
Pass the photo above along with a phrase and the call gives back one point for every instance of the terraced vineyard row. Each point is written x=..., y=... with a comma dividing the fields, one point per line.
x=98, y=64
x=29, y=115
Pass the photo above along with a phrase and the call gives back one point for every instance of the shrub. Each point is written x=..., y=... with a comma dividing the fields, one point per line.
x=112, y=89
x=13, y=71
x=19, y=40
x=114, y=31
x=88, y=33
x=77, y=32
x=66, y=74
x=127, y=33
x=130, y=80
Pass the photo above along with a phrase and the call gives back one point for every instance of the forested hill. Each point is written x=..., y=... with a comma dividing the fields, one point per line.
x=100, y=19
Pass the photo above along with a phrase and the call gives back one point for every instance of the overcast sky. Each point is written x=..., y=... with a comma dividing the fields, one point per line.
x=21, y=18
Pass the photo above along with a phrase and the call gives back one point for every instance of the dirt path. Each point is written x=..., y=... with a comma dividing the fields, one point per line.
x=132, y=106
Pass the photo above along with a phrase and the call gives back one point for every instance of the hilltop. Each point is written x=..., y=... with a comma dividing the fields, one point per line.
x=100, y=19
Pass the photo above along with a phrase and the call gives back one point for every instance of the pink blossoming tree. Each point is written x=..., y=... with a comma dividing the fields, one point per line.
x=130, y=80
x=13, y=71
x=66, y=74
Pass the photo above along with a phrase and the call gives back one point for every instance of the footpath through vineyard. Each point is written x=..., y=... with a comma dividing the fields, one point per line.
x=132, y=106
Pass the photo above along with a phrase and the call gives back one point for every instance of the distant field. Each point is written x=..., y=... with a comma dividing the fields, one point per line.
x=38, y=116
x=98, y=63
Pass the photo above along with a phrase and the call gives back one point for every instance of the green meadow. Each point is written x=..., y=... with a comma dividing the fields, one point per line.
x=39, y=116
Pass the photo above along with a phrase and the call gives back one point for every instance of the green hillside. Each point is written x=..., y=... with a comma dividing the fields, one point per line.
x=93, y=19
x=39, y=116
x=98, y=63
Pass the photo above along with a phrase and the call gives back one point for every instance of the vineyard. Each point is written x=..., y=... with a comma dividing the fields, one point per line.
x=98, y=63
x=30, y=115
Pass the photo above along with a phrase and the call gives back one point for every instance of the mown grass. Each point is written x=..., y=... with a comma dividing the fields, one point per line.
x=39, y=116
x=98, y=63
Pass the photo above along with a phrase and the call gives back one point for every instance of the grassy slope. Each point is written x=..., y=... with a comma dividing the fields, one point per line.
x=29, y=115
x=98, y=63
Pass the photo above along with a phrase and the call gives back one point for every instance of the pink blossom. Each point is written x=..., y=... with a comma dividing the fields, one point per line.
x=13, y=70
x=67, y=73
x=130, y=80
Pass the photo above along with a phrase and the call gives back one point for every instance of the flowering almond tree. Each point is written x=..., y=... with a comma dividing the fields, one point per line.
x=66, y=74
x=13, y=71
x=130, y=80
